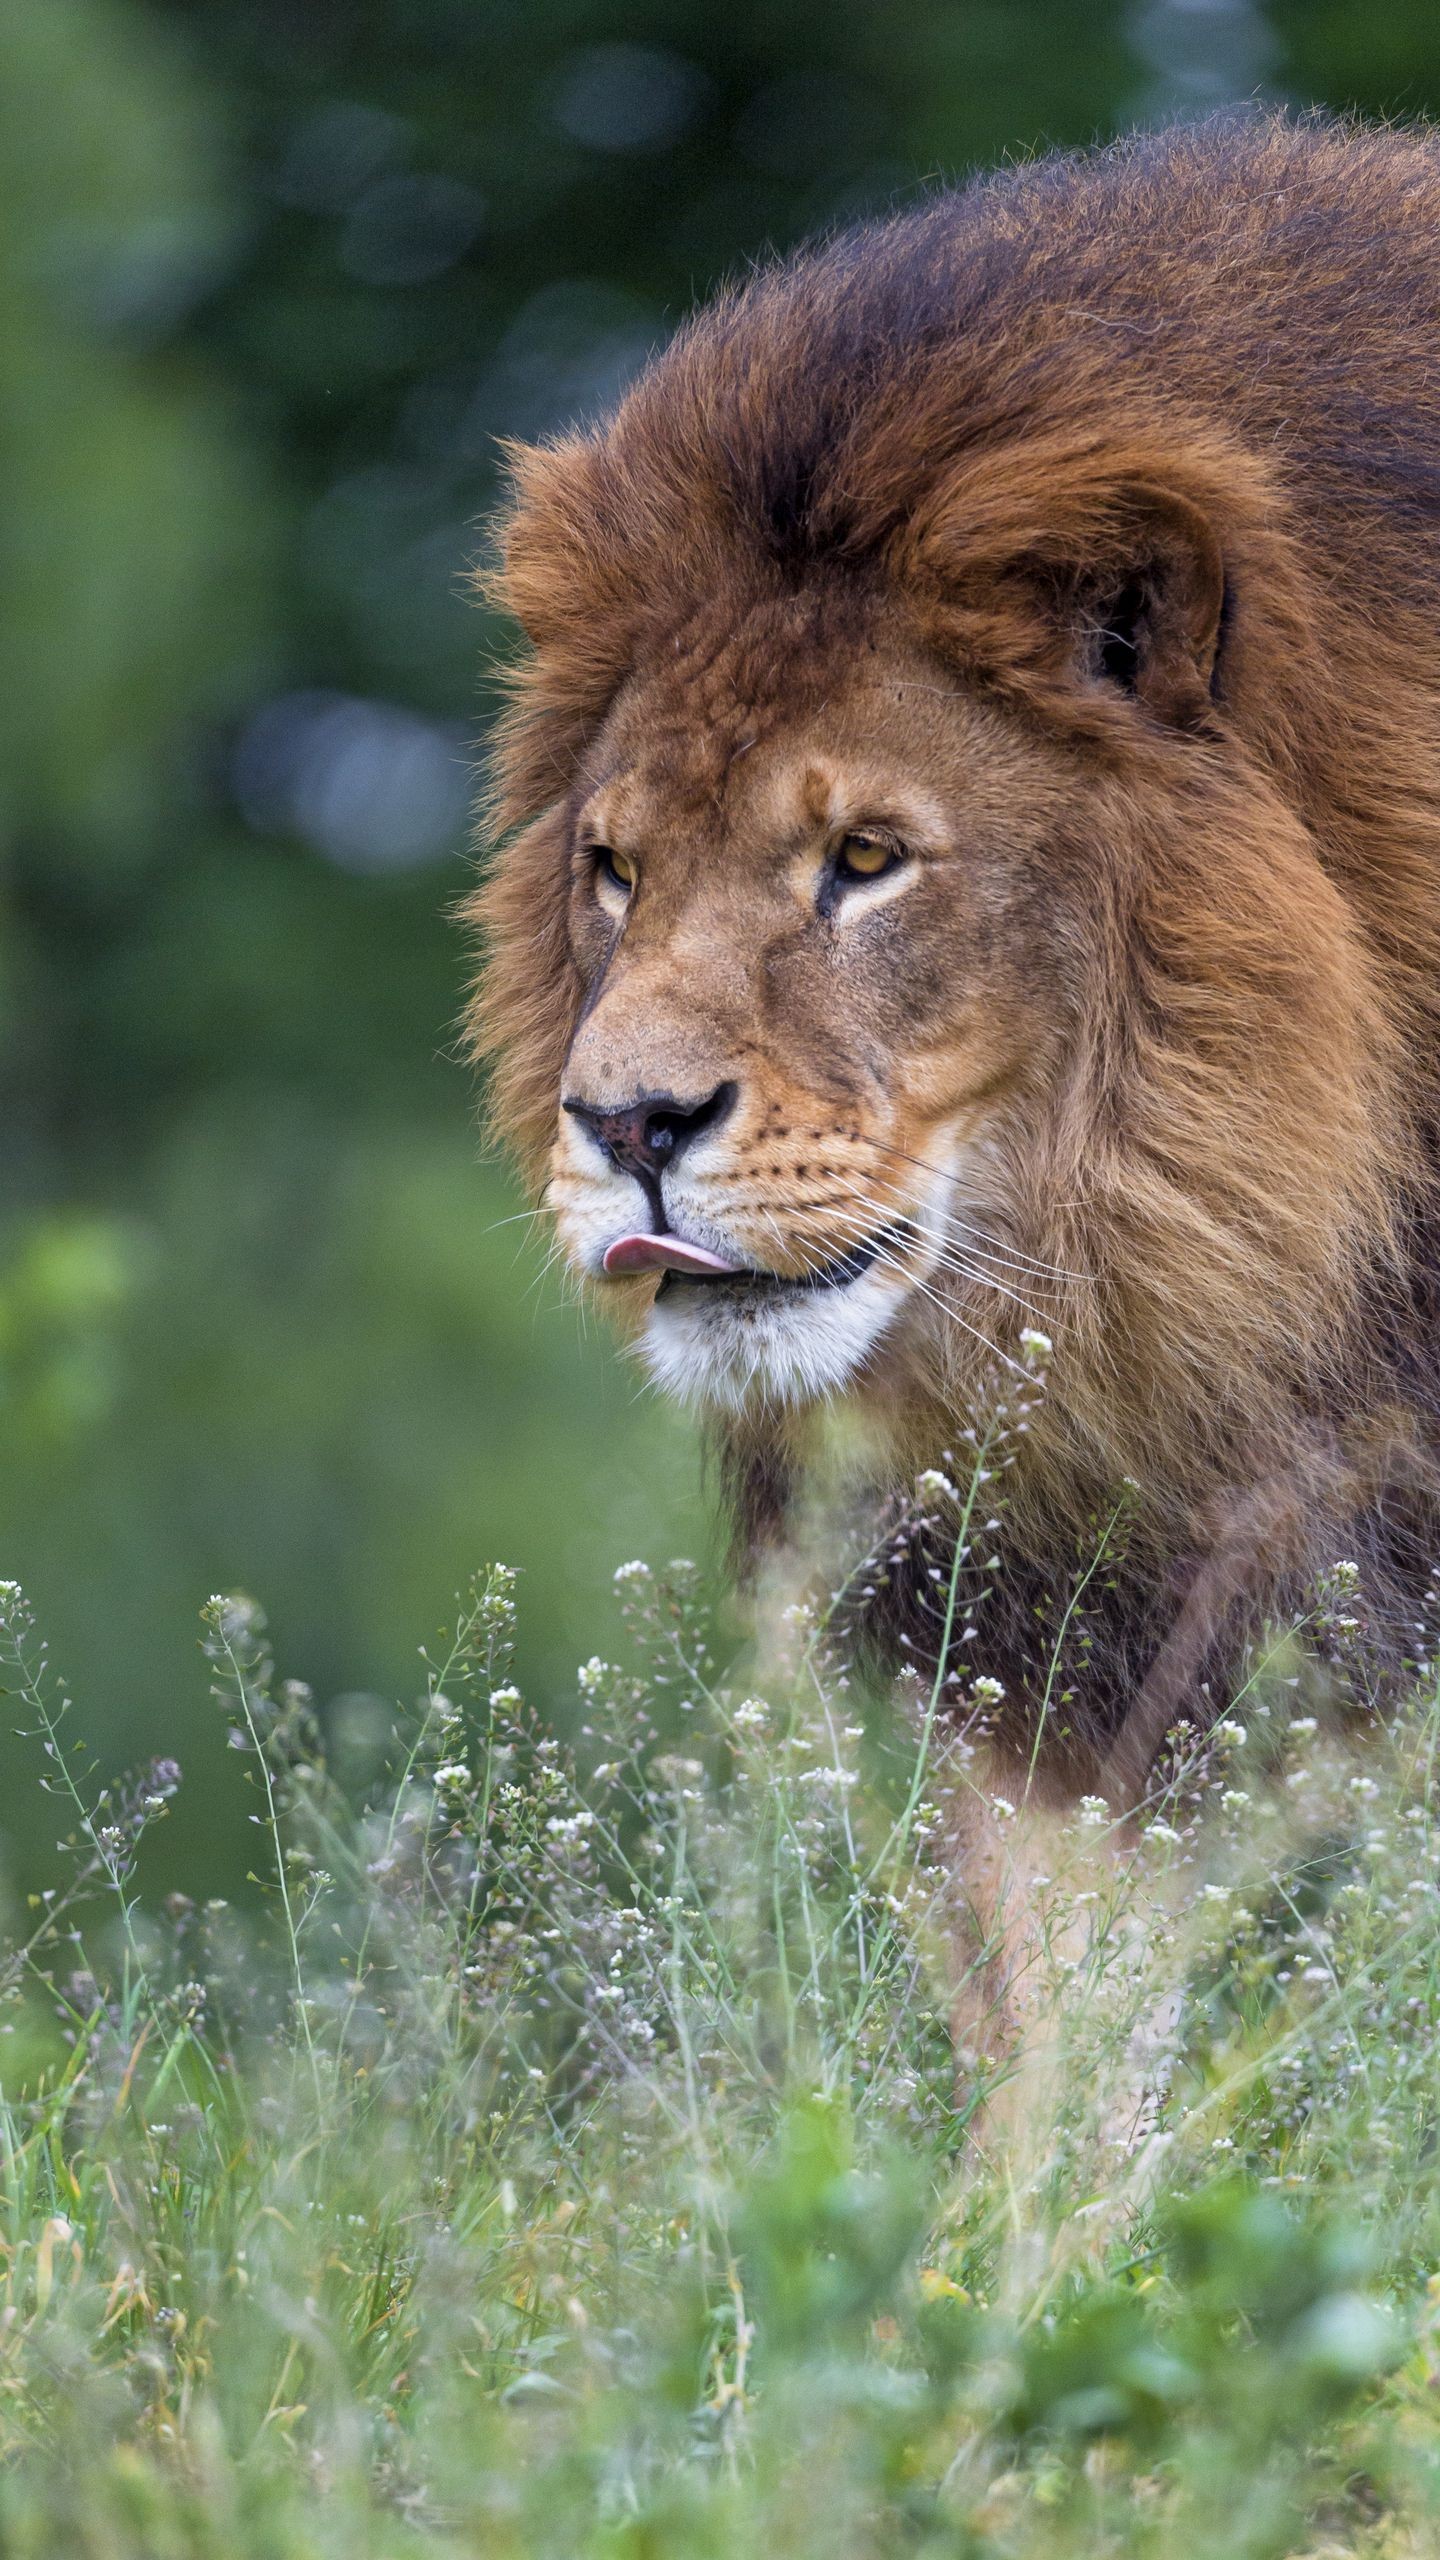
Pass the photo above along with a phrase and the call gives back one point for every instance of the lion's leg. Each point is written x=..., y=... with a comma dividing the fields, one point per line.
x=1008, y=1939
x=1053, y=1947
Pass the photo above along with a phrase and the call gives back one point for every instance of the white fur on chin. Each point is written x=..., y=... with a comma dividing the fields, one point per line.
x=708, y=1345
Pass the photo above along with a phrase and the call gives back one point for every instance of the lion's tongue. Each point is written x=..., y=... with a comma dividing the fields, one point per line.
x=663, y=1253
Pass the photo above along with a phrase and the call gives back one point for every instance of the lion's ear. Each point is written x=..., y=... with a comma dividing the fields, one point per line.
x=1067, y=578
x=1144, y=612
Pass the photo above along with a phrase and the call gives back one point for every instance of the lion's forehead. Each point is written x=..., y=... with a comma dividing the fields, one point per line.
x=703, y=699
x=783, y=717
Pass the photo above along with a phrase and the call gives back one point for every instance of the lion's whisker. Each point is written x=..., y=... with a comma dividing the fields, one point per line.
x=891, y=1262
x=514, y=1219
x=572, y=1293
x=964, y=1271
x=1009, y=1253
x=953, y=1260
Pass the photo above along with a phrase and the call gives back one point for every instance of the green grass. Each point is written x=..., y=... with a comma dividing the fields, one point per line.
x=569, y=2158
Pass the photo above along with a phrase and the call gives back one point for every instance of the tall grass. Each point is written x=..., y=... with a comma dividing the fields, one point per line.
x=571, y=2158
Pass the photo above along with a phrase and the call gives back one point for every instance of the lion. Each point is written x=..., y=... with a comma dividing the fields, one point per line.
x=970, y=872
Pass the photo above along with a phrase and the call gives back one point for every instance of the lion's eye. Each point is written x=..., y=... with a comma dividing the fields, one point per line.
x=866, y=858
x=616, y=869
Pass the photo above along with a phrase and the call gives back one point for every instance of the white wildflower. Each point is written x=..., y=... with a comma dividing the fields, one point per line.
x=570, y=1826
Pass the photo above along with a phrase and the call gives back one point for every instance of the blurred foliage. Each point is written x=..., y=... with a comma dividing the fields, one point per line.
x=274, y=277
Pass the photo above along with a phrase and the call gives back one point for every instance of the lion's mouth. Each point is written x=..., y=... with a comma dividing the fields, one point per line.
x=684, y=1266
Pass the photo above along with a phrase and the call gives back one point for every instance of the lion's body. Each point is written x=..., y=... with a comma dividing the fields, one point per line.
x=1207, y=950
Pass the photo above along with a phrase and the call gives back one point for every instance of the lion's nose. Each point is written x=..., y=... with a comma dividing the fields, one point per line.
x=646, y=1136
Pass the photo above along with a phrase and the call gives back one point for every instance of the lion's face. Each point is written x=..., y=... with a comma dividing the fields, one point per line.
x=820, y=923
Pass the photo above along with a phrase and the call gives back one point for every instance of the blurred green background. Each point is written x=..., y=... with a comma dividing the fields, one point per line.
x=274, y=276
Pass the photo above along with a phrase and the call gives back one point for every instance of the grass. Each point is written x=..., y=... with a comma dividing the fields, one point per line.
x=570, y=2160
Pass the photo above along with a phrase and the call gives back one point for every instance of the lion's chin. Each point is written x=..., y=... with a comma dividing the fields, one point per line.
x=739, y=1348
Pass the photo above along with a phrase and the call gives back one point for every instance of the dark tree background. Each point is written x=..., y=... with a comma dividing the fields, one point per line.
x=274, y=277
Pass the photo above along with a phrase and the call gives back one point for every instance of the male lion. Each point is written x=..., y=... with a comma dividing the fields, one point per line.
x=973, y=816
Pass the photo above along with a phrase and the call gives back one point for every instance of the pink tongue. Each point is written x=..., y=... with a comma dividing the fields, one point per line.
x=663, y=1253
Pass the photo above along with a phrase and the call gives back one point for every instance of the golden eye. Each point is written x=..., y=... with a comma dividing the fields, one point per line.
x=616, y=868
x=866, y=858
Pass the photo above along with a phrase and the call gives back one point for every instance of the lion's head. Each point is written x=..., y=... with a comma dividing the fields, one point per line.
x=913, y=925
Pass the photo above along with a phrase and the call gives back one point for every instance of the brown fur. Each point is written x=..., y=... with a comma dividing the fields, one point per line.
x=874, y=514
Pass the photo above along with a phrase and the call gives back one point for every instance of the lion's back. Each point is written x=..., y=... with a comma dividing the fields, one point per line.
x=1285, y=275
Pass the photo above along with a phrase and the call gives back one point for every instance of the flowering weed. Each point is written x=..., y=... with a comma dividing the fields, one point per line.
x=571, y=2156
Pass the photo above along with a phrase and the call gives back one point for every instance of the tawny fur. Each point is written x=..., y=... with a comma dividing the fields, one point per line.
x=1196, y=371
